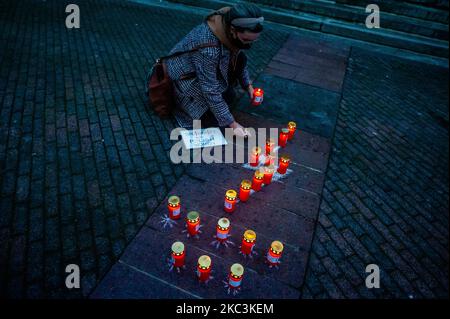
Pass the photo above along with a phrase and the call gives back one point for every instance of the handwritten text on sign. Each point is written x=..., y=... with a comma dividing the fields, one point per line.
x=208, y=137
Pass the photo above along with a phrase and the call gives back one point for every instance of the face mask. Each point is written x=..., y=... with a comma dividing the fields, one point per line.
x=238, y=43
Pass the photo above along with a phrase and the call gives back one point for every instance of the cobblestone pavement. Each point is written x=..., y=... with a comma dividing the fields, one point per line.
x=82, y=162
x=385, y=199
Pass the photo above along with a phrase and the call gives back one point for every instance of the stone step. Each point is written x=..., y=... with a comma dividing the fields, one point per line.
x=391, y=38
x=358, y=14
x=436, y=14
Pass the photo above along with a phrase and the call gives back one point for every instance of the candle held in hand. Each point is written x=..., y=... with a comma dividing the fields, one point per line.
x=258, y=95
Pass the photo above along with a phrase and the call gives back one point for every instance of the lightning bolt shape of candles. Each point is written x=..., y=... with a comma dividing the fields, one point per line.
x=174, y=207
x=178, y=254
x=292, y=126
x=248, y=242
x=204, y=268
x=254, y=158
x=230, y=201
x=235, y=276
x=274, y=253
x=193, y=223
x=283, y=164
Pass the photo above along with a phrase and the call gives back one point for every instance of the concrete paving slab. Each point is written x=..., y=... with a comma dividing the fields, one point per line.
x=286, y=100
x=127, y=282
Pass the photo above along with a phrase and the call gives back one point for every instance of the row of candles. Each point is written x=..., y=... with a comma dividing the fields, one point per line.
x=204, y=264
x=222, y=228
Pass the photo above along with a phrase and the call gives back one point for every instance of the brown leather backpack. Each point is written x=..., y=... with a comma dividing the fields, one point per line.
x=160, y=90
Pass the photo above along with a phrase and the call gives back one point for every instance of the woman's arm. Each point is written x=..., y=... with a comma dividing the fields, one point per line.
x=245, y=81
x=206, y=65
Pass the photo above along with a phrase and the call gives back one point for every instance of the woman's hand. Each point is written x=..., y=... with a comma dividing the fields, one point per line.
x=239, y=130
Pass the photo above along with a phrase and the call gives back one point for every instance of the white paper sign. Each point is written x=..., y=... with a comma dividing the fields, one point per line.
x=207, y=137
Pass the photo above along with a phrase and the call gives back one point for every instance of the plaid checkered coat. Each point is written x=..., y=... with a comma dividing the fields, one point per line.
x=204, y=89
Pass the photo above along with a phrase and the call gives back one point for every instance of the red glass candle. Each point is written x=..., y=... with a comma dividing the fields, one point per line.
x=203, y=268
x=223, y=229
x=178, y=254
x=257, y=181
x=258, y=95
x=270, y=144
x=269, y=160
x=193, y=223
x=230, y=201
x=244, y=190
x=254, y=157
x=268, y=174
x=274, y=253
x=283, y=164
x=292, y=126
x=284, y=134
x=236, y=275
x=248, y=242
x=174, y=207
